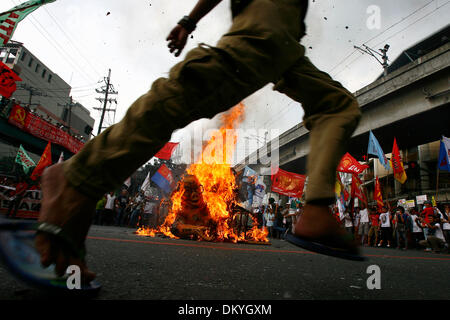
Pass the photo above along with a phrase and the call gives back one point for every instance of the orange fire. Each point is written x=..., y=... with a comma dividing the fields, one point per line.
x=213, y=172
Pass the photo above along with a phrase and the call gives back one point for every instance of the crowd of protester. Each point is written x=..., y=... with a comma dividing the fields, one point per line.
x=390, y=227
x=124, y=210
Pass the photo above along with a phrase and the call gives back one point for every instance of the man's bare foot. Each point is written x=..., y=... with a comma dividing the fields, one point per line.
x=318, y=223
x=65, y=207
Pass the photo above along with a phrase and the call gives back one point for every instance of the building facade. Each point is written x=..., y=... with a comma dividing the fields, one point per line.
x=39, y=111
x=44, y=91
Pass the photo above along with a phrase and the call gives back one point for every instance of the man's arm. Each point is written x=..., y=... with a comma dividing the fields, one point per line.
x=179, y=35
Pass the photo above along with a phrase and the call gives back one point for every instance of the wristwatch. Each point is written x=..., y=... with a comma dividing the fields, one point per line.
x=187, y=23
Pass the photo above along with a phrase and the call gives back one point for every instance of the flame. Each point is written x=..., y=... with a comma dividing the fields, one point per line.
x=213, y=171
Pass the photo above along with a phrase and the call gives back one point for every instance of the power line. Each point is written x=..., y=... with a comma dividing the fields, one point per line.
x=78, y=88
x=68, y=36
x=390, y=37
x=379, y=34
x=107, y=90
x=431, y=12
x=60, y=49
x=401, y=20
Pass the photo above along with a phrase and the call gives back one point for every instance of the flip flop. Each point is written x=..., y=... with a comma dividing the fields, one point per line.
x=322, y=248
x=21, y=258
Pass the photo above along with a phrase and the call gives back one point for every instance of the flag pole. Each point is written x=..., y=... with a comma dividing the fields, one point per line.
x=437, y=180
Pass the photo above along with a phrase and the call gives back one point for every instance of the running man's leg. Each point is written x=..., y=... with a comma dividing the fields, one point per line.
x=331, y=114
x=260, y=46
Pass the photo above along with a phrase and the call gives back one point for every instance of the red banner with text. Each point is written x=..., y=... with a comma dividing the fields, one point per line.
x=40, y=128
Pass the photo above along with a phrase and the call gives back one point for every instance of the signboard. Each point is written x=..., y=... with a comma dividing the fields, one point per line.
x=421, y=199
x=29, y=206
x=410, y=203
x=40, y=128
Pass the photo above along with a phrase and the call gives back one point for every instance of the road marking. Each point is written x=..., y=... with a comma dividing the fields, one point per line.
x=254, y=249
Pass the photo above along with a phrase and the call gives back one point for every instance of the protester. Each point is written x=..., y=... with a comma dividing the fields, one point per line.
x=348, y=221
x=374, y=227
x=121, y=204
x=427, y=214
x=270, y=219
x=18, y=194
x=435, y=238
x=288, y=216
x=401, y=228
x=386, y=229
x=445, y=219
x=149, y=213
x=136, y=207
x=363, y=228
x=356, y=218
x=99, y=210
x=258, y=212
x=262, y=47
x=416, y=232
x=163, y=211
x=108, y=214
x=278, y=226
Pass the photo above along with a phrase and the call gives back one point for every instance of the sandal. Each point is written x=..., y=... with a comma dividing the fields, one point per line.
x=336, y=246
x=19, y=255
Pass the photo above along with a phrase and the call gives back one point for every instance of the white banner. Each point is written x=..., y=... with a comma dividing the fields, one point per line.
x=29, y=206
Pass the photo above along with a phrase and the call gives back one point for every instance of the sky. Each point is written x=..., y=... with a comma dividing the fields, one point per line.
x=81, y=39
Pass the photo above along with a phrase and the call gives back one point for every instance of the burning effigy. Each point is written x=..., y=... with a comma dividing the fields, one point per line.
x=204, y=206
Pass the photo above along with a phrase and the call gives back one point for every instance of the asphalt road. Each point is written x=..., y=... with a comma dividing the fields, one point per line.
x=134, y=267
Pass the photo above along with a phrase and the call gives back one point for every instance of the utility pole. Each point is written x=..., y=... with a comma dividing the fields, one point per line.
x=106, y=90
x=32, y=91
x=383, y=55
x=68, y=114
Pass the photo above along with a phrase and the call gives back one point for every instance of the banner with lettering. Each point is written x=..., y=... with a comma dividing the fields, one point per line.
x=40, y=128
x=24, y=159
x=8, y=80
x=9, y=19
x=349, y=164
x=288, y=183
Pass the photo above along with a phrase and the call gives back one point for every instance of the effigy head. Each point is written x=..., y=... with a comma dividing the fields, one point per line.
x=192, y=192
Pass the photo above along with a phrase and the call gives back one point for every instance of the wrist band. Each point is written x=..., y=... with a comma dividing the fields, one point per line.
x=187, y=23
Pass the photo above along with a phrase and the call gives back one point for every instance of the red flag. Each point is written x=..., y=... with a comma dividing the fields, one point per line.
x=397, y=164
x=357, y=189
x=349, y=164
x=8, y=80
x=166, y=152
x=44, y=162
x=377, y=194
x=288, y=183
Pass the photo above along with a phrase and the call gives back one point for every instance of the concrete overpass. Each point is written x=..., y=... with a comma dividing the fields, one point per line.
x=411, y=103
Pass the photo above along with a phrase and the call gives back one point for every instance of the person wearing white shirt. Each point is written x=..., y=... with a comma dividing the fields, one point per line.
x=445, y=219
x=363, y=229
x=348, y=222
x=109, y=208
x=417, y=233
x=435, y=238
x=386, y=230
x=270, y=218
